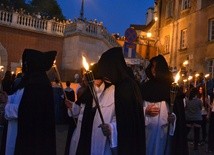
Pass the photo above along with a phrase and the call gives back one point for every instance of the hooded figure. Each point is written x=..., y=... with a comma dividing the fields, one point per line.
x=127, y=98
x=88, y=137
x=156, y=96
x=30, y=109
x=162, y=78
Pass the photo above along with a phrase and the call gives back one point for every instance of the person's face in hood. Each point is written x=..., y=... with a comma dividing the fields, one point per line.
x=112, y=66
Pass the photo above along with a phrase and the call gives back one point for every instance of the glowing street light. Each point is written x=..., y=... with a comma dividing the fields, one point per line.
x=149, y=34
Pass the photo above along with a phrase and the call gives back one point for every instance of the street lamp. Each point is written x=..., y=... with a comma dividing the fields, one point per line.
x=149, y=34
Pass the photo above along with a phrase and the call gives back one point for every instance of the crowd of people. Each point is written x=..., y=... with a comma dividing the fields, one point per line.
x=115, y=114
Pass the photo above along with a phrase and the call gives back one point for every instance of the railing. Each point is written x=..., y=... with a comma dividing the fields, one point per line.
x=29, y=22
x=5, y=17
x=90, y=28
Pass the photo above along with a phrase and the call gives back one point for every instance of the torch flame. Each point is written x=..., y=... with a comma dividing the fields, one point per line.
x=207, y=75
x=190, y=78
x=196, y=75
x=185, y=63
x=177, y=77
x=85, y=63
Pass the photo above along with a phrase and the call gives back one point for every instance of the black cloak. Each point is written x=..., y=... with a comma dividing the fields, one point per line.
x=157, y=88
x=129, y=114
x=36, y=123
x=179, y=140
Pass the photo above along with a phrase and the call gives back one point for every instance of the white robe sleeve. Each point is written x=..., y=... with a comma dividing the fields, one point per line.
x=12, y=106
x=113, y=136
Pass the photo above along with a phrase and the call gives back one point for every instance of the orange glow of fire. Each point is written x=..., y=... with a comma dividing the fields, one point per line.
x=177, y=77
x=85, y=63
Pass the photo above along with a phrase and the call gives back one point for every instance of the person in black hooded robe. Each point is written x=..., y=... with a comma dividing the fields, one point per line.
x=88, y=138
x=179, y=140
x=128, y=102
x=31, y=123
x=156, y=96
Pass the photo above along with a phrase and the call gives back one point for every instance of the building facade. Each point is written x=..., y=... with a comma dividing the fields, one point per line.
x=185, y=31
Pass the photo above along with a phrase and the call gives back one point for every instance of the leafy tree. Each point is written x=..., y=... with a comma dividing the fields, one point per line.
x=14, y=3
x=49, y=8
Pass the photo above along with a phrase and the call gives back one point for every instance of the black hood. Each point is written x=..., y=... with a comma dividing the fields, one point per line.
x=34, y=61
x=112, y=65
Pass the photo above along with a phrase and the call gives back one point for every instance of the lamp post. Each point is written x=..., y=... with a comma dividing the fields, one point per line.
x=82, y=11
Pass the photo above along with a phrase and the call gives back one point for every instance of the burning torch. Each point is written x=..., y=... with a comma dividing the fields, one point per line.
x=60, y=82
x=174, y=90
x=90, y=79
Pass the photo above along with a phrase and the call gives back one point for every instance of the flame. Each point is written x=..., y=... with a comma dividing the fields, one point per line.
x=85, y=63
x=196, y=75
x=54, y=63
x=184, y=80
x=1, y=68
x=177, y=77
x=186, y=62
x=207, y=75
x=190, y=78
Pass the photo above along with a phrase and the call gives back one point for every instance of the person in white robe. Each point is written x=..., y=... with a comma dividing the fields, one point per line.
x=156, y=96
x=101, y=140
x=11, y=114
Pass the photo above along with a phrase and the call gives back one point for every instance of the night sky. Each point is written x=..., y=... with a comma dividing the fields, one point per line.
x=116, y=15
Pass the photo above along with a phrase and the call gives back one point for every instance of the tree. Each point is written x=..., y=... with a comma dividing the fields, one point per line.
x=49, y=8
x=17, y=4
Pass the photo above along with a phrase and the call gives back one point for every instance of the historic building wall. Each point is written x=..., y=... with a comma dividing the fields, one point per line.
x=195, y=20
x=16, y=40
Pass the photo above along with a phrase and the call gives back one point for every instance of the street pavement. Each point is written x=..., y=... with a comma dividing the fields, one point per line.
x=61, y=134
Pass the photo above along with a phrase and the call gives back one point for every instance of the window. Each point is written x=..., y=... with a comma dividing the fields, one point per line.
x=183, y=44
x=185, y=4
x=169, y=9
x=211, y=30
x=211, y=67
x=166, y=44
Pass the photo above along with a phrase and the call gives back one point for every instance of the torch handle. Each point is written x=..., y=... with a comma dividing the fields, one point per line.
x=90, y=78
x=91, y=87
x=60, y=82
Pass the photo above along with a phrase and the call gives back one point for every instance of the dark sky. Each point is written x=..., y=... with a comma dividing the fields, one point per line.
x=116, y=15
